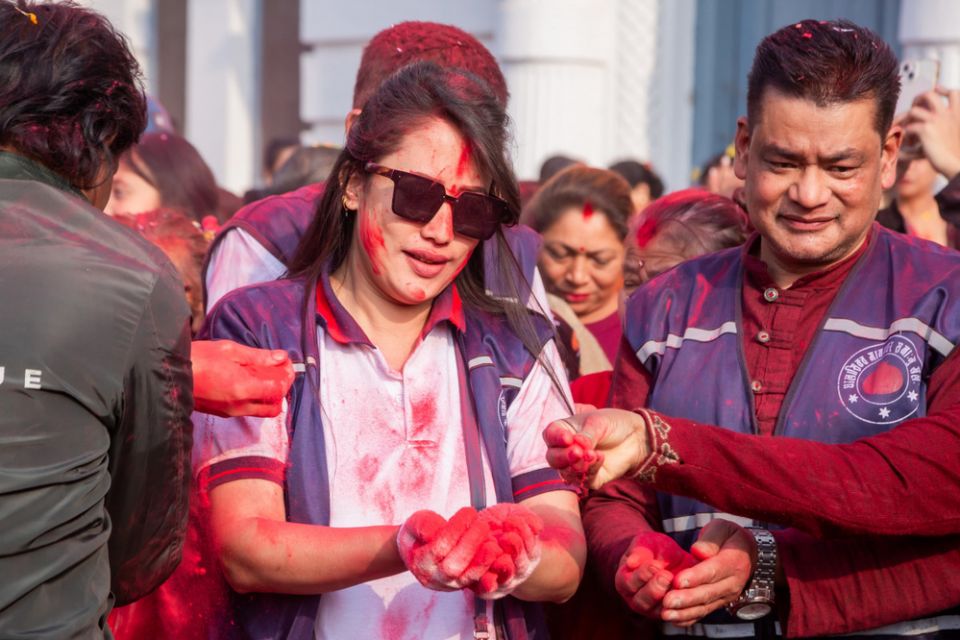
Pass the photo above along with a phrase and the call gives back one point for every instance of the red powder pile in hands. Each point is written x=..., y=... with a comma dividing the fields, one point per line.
x=490, y=552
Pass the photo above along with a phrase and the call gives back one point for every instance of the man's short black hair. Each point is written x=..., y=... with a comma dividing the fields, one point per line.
x=70, y=91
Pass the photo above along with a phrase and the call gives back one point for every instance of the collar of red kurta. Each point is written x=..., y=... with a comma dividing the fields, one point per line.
x=340, y=325
x=758, y=276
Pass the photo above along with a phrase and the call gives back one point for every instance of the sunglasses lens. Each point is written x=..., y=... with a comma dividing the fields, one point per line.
x=416, y=198
x=477, y=215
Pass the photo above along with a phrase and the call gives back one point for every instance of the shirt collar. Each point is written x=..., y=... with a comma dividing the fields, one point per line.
x=758, y=274
x=14, y=166
x=340, y=325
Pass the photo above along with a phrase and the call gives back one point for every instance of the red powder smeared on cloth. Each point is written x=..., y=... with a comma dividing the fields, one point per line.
x=393, y=625
x=191, y=603
x=424, y=414
x=883, y=380
x=323, y=308
x=368, y=468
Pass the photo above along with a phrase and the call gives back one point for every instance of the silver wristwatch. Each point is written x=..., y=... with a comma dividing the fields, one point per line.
x=757, y=599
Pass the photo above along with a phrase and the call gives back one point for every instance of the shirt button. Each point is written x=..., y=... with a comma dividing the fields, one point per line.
x=771, y=294
x=756, y=386
x=763, y=337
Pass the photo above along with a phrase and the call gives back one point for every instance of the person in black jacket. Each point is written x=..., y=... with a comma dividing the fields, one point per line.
x=95, y=378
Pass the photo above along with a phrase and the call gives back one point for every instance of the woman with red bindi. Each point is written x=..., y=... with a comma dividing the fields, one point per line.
x=582, y=214
x=403, y=492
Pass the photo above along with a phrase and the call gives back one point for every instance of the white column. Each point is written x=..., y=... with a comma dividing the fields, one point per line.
x=670, y=102
x=223, y=77
x=135, y=20
x=558, y=57
x=931, y=29
x=635, y=63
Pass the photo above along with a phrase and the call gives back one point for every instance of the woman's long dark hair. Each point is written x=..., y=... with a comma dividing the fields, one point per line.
x=403, y=102
x=175, y=168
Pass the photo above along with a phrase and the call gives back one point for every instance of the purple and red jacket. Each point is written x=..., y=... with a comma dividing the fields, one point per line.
x=282, y=315
x=894, y=321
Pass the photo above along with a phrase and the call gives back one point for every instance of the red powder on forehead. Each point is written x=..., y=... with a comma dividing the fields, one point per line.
x=587, y=211
x=372, y=240
x=466, y=153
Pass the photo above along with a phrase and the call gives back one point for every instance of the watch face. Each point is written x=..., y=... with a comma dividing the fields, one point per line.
x=754, y=611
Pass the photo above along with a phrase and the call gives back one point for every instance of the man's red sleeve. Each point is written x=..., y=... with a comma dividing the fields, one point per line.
x=616, y=513
x=631, y=384
x=902, y=482
x=845, y=585
x=612, y=517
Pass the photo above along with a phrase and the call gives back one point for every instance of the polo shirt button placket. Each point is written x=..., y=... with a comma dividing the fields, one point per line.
x=763, y=337
x=756, y=386
x=771, y=294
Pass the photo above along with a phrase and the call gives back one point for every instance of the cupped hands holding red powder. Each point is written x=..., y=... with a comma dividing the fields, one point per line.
x=491, y=552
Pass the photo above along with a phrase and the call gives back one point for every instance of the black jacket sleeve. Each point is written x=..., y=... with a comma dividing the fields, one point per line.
x=150, y=452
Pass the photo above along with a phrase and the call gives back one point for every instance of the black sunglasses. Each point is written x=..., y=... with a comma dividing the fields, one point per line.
x=476, y=215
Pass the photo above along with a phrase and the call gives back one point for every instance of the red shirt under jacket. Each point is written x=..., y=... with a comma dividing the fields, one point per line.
x=888, y=484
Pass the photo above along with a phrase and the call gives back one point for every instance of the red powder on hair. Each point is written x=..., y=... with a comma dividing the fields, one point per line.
x=587, y=211
x=372, y=240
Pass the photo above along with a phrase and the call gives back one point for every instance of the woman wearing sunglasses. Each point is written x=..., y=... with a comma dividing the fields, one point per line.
x=403, y=493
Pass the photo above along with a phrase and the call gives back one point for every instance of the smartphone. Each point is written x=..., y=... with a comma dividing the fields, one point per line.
x=916, y=77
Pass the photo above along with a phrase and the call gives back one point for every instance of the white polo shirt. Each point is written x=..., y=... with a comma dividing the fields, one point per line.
x=394, y=445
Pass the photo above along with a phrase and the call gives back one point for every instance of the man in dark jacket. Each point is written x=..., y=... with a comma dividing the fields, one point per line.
x=95, y=381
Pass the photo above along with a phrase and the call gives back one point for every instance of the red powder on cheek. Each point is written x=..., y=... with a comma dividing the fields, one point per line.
x=372, y=240
x=466, y=152
x=587, y=211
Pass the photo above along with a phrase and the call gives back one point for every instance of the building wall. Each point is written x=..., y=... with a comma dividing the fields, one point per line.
x=727, y=34
x=659, y=80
